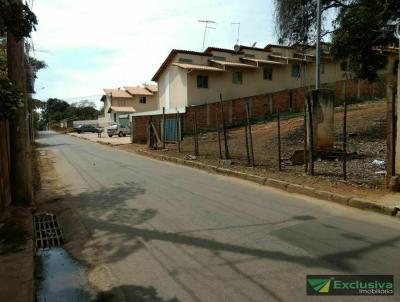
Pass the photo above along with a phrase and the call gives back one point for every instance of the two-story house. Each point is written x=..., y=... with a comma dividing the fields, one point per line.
x=119, y=104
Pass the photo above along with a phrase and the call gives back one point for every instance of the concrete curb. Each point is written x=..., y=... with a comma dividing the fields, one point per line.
x=283, y=185
x=279, y=184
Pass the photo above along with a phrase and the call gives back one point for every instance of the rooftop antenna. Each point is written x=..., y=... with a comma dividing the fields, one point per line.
x=238, y=31
x=206, y=22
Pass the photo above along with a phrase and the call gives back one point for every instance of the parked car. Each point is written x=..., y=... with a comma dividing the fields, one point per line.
x=87, y=128
x=119, y=130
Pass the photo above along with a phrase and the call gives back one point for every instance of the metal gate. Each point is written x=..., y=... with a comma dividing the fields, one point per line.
x=170, y=130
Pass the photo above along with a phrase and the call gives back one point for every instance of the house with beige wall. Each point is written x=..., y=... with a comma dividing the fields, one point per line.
x=189, y=78
x=119, y=104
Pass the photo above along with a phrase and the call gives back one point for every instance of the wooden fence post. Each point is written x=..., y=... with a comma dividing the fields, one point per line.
x=163, y=128
x=279, y=142
x=247, y=144
x=305, y=140
x=227, y=156
x=250, y=136
x=218, y=132
x=195, y=138
x=178, y=130
x=310, y=134
x=345, y=140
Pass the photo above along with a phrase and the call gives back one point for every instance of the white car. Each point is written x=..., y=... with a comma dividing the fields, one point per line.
x=119, y=130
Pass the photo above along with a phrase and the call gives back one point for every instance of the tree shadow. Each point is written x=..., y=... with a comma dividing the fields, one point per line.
x=122, y=231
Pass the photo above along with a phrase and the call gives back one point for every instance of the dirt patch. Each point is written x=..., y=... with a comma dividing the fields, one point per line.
x=366, y=126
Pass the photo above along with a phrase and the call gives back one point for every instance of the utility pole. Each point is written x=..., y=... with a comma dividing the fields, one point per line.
x=318, y=48
x=20, y=168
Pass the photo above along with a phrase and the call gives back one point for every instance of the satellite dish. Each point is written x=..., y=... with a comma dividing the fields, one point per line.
x=236, y=47
x=254, y=44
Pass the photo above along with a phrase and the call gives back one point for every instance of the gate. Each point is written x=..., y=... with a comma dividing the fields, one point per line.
x=170, y=130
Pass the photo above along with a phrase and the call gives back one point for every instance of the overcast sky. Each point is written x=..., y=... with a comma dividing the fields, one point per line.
x=90, y=44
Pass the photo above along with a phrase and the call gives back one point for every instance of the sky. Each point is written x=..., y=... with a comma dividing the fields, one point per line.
x=89, y=45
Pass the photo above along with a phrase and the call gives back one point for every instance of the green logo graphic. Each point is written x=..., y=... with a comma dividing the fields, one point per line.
x=320, y=285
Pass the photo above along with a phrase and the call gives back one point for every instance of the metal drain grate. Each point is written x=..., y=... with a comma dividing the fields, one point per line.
x=47, y=231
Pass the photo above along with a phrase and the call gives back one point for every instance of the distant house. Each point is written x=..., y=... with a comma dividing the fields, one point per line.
x=66, y=123
x=120, y=104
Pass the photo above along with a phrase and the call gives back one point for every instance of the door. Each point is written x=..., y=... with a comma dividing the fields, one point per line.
x=170, y=130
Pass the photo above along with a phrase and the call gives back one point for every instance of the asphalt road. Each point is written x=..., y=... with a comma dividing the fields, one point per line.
x=203, y=237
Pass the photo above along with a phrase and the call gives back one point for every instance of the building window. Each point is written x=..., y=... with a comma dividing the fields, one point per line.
x=296, y=70
x=185, y=60
x=275, y=53
x=322, y=68
x=142, y=100
x=219, y=58
x=122, y=103
x=202, y=81
x=267, y=73
x=115, y=117
x=237, y=77
x=249, y=55
x=343, y=66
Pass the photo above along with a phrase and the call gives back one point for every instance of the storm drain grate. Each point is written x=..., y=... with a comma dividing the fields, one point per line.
x=47, y=231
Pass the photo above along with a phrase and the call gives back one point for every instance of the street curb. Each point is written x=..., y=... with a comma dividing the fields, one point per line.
x=346, y=200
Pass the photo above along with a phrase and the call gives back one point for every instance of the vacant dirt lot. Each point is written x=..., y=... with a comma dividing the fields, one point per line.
x=366, y=124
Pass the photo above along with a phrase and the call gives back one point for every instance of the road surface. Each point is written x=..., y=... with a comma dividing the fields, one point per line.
x=203, y=237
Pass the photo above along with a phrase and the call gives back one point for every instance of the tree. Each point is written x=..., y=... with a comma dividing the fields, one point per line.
x=17, y=21
x=359, y=30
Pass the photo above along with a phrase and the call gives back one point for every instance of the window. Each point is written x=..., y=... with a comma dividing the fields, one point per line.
x=122, y=103
x=296, y=70
x=343, y=66
x=185, y=60
x=142, y=100
x=275, y=53
x=115, y=116
x=249, y=55
x=237, y=77
x=267, y=73
x=202, y=81
x=219, y=58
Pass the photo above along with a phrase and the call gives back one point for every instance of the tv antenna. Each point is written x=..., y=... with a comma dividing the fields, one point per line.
x=238, y=31
x=206, y=22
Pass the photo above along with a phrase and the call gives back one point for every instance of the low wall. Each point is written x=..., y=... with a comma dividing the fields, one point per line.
x=261, y=107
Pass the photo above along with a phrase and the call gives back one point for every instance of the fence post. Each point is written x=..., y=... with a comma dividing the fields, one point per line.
x=218, y=132
x=305, y=139
x=249, y=134
x=195, y=139
x=163, y=128
x=279, y=142
x=178, y=130
x=247, y=144
x=345, y=140
x=227, y=156
x=310, y=134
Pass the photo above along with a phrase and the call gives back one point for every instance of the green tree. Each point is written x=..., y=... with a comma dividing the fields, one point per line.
x=359, y=29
